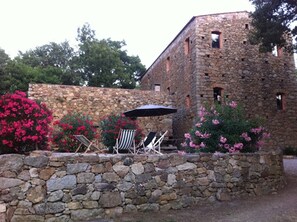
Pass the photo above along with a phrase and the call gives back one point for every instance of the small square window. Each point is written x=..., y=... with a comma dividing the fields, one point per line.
x=157, y=88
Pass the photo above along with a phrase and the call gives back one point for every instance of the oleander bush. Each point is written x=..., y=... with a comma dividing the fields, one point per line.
x=24, y=124
x=69, y=125
x=224, y=128
x=110, y=127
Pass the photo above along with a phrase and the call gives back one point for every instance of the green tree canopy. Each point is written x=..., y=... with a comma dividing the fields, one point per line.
x=100, y=63
x=273, y=22
x=58, y=58
x=103, y=63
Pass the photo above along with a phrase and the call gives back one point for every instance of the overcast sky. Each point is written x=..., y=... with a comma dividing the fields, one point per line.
x=147, y=26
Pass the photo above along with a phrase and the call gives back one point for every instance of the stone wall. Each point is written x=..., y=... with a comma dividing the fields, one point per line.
x=55, y=187
x=242, y=73
x=100, y=102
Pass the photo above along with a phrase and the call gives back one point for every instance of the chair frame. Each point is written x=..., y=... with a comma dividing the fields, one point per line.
x=148, y=141
x=122, y=144
x=86, y=142
x=156, y=146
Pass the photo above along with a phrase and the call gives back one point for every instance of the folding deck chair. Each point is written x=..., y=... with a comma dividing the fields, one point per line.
x=86, y=142
x=156, y=145
x=125, y=141
x=148, y=141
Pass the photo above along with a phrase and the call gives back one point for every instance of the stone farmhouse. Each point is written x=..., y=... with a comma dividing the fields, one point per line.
x=211, y=59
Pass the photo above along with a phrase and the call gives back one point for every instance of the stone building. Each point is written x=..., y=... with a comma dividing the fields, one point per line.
x=211, y=59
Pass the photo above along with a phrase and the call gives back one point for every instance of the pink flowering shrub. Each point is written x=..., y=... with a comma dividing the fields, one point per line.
x=24, y=124
x=224, y=128
x=110, y=127
x=68, y=126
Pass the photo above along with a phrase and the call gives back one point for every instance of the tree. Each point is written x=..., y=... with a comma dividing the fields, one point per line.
x=4, y=60
x=273, y=22
x=56, y=57
x=103, y=63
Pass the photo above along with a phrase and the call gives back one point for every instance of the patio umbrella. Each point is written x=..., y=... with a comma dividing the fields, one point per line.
x=150, y=110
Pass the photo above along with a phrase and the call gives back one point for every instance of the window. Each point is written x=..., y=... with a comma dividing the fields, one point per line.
x=168, y=64
x=217, y=94
x=187, y=46
x=277, y=51
x=157, y=88
x=280, y=101
x=216, y=39
x=188, y=101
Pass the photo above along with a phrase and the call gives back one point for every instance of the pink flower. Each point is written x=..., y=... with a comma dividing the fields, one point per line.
x=246, y=137
x=202, y=112
x=223, y=139
x=198, y=125
x=193, y=145
x=227, y=146
x=215, y=122
x=233, y=104
x=187, y=135
x=238, y=146
x=257, y=130
x=202, y=145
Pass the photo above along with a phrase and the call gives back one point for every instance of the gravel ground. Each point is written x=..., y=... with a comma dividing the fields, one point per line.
x=279, y=207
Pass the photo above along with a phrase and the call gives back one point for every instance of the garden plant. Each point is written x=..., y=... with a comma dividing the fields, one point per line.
x=110, y=127
x=69, y=125
x=24, y=124
x=224, y=128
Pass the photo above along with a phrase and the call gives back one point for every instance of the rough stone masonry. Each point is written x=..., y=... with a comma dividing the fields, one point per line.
x=55, y=187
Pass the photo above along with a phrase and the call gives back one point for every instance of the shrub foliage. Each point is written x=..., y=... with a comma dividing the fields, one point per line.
x=24, y=124
x=110, y=127
x=224, y=128
x=68, y=126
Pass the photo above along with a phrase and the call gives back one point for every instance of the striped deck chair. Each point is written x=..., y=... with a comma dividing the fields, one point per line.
x=125, y=141
x=84, y=141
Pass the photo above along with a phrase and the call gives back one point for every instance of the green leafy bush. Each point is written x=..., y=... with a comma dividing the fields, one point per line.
x=24, y=124
x=69, y=125
x=224, y=128
x=110, y=127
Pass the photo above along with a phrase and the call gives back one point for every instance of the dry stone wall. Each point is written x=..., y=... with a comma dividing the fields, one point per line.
x=55, y=187
x=100, y=102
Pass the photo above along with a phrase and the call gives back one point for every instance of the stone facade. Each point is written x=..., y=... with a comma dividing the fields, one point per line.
x=100, y=102
x=56, y=187
x=192, y=70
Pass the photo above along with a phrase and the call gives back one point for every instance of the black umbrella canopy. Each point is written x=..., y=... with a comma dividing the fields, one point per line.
x=150, y=110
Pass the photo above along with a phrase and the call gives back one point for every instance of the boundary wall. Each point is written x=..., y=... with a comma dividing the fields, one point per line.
x=52, y=187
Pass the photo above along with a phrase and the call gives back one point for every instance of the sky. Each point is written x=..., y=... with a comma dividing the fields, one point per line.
x=147, y=26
